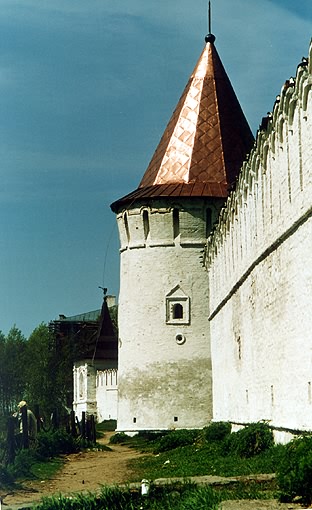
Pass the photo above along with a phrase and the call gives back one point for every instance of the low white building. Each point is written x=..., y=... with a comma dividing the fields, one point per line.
x=95, y=368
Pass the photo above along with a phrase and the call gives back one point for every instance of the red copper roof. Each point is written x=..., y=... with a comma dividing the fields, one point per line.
x=205, y=142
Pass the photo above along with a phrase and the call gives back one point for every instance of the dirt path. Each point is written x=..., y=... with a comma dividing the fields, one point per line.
x=82, y=472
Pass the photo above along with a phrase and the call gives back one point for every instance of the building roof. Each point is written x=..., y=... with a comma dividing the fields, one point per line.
x=92, y=334
x=82, y=317
x=205, y=142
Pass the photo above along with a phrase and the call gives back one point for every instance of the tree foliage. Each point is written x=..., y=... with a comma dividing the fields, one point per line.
x=38, y=370
x=43, y=379
x=12, y=369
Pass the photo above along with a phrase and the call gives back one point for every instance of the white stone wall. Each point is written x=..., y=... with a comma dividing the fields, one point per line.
x=95, y=389
x=259, y=262
x=84, y=374
x=106, y=394
x=164, y=362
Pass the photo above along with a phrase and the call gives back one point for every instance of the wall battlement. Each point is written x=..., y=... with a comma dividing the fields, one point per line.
x=183, y=222
x=273, y=192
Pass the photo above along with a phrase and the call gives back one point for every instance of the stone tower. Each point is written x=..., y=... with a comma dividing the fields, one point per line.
x=164, y=343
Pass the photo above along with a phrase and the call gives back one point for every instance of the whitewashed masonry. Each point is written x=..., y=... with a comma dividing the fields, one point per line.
x=259, y=261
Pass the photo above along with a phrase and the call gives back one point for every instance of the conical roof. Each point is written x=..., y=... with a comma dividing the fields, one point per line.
x=205, y=142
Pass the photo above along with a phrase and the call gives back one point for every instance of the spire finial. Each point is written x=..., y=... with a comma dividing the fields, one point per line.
x=209, y=17
x=209, y=37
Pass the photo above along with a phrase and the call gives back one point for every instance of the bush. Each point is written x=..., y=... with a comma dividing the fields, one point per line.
x=106, y=426
x=217, y=431
x=119, y=437
x=152, y=435
x=55, y=443
x=3, y=426
x=294, y=473
x=175, y=439
x=6, y=479
x=251, y=440
x=23, y=462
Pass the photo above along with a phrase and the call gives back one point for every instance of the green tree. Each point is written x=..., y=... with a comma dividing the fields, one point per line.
x=45, y=385
x=13, y=376
x=2, y=371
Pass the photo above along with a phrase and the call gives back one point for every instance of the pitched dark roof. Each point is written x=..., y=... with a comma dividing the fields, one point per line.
x=93, y=335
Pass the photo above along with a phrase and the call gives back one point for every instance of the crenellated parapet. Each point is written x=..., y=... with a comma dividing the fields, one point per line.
x=167, y=223
x=272, y=196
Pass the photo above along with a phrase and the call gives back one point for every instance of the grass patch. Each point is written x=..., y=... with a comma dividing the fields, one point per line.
x=208, y=453
x=176, y=497
x=175, y=439
x=249, y=490
x=145, y=441
x=207, y=459
x=46, y=470
x=29, y=465
x=106, y=426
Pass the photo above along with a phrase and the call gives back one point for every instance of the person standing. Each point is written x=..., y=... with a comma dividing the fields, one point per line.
x=27, y=422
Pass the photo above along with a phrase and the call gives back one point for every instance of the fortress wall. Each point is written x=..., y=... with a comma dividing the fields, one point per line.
x=106, y=394
x=259, y=261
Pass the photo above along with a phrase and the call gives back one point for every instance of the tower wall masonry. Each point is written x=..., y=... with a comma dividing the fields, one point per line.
x=164, y=375
x=259, y=262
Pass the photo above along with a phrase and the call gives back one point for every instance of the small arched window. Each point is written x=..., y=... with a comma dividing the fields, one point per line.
x=208, y=222
x=177, y=311
x=176, y=223
x=126, y=227
x=146, y=223
x=81, y=386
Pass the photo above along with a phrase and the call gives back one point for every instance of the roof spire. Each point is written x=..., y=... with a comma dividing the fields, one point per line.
x=209, y=37
x=209, y=17
x=205, y=142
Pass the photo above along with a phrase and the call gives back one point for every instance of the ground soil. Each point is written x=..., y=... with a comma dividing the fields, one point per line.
x=82, y=472
x=88, y=471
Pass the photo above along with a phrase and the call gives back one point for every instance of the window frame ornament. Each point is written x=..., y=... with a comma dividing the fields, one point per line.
x=177, y=297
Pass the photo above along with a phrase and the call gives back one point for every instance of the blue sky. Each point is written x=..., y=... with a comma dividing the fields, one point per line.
x=86, y=90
